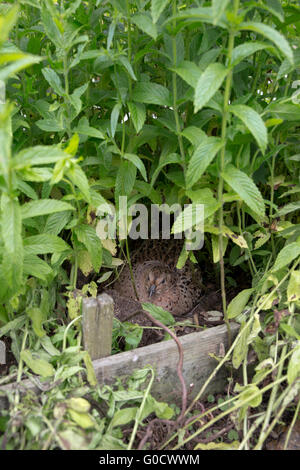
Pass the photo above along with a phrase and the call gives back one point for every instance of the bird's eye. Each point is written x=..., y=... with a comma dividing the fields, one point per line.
x=163, y=281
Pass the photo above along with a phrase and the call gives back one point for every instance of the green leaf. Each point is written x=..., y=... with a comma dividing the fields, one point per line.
x=285, y=111
x=53, y=80
x=152, y=93
x=253, y=122
x=294, y=366
x=125, y=178
x=56, y=222
x=165, y=160
x=18, y=65
x=188, y=218
x=43, y=207
x=246, y=49
x=85, y=129
x=201, y=159
x=114, y=118
x=159, y=313
x=245, y=188
x=84, y=420
x=272, y=35
x=79, y=179
x=44, y=243
x=208, y=83
x=194, y=134
x=126, y=64
x=137, y=114
x=50, y=26
x=188, y=71
x=36, y=267
x=241, y=348
x=218, y=8
x=37, y=318
x=138, y=163
x=50, y=125
x=144, y=22
x=38, y=366
x=286, y=256
x=7, y=22
x=88, y=236
x=11, y=230
x=38, y=155
x=123, y=416
x=293, y=290
x=157, y=7
x=291, y=207
x=237, y=305
x=274, y=6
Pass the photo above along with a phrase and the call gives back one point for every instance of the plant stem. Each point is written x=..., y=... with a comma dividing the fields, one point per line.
x=222, y=166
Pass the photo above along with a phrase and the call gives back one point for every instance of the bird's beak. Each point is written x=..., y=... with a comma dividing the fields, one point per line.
x=152, y=290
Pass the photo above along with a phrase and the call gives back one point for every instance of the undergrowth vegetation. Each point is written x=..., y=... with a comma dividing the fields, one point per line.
x=162, y=101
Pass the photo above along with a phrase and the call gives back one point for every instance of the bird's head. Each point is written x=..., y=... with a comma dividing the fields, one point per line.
x=155, y=282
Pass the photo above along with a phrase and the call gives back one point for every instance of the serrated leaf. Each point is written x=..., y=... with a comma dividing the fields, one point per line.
x=53, y=80
x=191, y=216
x=144, y=22
x=159, y=313
x=38, y=155
x=36, y=316
x=201, y=159
x=137, y=114
x=84, y=420
x=125, y=178
x=245, y=188
x=253, y=122
x=293, y=371
x=44, y=243
x=208, y=84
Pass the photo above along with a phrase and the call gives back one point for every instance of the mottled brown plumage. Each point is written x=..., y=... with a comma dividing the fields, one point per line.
x=157, y=279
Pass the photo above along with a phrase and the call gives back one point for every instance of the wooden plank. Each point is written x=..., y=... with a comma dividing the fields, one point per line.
x=197, y=365
x=97, y=325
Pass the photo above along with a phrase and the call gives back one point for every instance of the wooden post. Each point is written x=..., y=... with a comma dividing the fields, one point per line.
x=97, y=323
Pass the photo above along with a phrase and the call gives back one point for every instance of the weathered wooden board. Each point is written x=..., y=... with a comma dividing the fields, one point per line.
x=197, y=365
